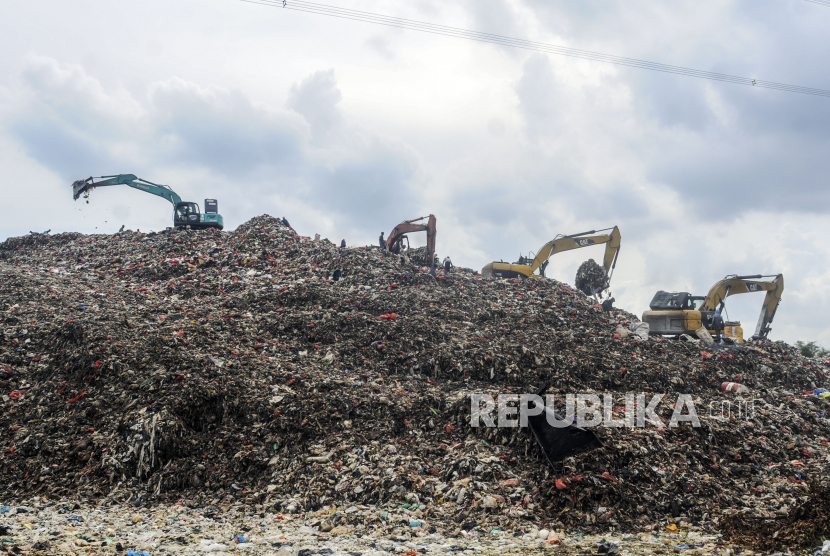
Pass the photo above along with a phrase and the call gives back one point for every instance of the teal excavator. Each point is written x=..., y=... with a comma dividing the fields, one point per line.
x=185, y=213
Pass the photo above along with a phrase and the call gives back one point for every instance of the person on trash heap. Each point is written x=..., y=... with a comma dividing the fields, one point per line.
x=717, y=324
x=433, y=269
x=382, y=241
x=447, y=264
x=342, y=243
x=284, y=221
x=608, y=304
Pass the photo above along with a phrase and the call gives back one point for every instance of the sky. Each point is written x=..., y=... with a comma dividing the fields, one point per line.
x=347, y=128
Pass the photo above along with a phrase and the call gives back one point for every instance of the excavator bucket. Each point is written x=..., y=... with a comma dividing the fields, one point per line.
x=560, y=443
x=79, y=187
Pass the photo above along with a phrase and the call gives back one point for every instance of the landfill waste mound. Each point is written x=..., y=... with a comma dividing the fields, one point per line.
x=590, y=277
x=218, y=368
x=808, y=524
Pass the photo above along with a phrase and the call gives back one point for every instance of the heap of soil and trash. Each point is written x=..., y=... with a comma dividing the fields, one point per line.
x=289, y=375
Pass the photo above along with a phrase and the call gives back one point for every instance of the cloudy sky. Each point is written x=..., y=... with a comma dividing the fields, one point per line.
x=348, y=128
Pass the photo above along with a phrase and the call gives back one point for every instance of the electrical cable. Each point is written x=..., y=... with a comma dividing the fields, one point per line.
x=424, y=27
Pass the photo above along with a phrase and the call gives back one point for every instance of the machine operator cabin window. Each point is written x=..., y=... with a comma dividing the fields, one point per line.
x=187, y=209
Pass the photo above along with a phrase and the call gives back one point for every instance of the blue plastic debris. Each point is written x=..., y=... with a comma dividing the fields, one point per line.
x=238, y=540
x=137, y=553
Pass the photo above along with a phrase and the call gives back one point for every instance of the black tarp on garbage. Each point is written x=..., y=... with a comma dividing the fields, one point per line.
x=558, y=443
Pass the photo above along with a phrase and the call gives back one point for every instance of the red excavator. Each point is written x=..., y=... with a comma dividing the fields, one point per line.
x=398, y=234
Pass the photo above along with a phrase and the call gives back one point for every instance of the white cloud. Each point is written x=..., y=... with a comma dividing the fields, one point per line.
x=316, y=99
x=348, y=128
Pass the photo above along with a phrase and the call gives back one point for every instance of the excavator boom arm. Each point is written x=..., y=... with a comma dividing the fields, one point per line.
x=397, y=233
x=732, y=285
x=164, y=191
x=575, y=241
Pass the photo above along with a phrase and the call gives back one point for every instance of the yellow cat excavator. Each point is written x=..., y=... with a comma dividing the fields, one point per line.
x=526, y=267
x=678, y=313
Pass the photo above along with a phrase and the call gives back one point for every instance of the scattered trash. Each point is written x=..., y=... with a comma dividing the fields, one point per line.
x=798, y=525
x=704, y=335
x=640, y=329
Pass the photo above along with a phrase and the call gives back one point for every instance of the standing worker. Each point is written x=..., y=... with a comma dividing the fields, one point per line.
x=717, y=324
x=447, y=264
x=382, y=241
x=432, y=269
x=342, y=244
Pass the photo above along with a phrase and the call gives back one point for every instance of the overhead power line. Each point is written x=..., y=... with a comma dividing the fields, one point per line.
x=424, y=27
x=822, y=2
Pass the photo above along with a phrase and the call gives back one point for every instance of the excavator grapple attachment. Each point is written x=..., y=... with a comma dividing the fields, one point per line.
x=79, y=187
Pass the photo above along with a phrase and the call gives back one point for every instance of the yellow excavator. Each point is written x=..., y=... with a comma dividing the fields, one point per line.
x=526, y=267
x=676, y=313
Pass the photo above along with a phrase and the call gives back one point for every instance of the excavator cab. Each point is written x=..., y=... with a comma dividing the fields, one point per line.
x=676, y=301
x=186, y=214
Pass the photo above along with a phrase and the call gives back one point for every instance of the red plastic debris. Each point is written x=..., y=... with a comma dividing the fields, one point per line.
x=78, y=397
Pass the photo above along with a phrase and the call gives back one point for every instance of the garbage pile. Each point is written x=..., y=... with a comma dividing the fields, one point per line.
x=808, y=524
x=419, y=256
x=214, y=367
x=590, y=277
